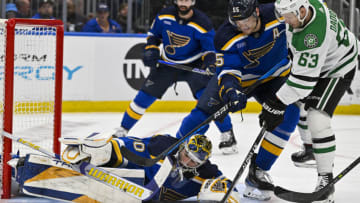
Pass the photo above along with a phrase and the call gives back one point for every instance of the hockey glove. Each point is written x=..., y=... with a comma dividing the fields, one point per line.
x=231, y=92
x=208, y=64
x=151, y=56
x=272, y=114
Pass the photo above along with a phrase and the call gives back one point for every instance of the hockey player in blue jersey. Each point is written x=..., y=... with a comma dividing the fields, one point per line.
x=187, y=37
x=251, y=42
x=189, y=168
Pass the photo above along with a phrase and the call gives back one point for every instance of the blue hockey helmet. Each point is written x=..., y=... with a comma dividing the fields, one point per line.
x=241, y=9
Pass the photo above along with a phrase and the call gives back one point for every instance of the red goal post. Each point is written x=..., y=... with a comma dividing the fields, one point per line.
x=31, y=64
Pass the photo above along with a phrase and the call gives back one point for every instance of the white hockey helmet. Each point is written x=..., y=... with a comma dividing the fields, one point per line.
x=292, y=6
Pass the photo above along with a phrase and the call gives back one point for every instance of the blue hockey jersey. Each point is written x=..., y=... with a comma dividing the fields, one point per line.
x=248, y=57
x=184, y=41
x=173, y=188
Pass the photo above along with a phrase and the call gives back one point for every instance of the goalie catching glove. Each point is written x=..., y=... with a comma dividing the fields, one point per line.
x=96, y=149
x=215, y=189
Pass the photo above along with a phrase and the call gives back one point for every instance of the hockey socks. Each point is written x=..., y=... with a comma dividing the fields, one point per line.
x=191, y=121
x=137, y=109
x=275, y=141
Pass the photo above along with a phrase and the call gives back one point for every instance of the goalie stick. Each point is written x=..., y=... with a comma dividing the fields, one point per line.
x=245, y=163
x=142, y=161
x=293, y=196
x=187, y=68
x=114, y=181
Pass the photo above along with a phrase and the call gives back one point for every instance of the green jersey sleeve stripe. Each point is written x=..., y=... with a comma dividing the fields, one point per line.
x=344, y=64
x=293, y=84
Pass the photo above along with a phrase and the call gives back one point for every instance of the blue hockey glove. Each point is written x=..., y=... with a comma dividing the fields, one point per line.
x=208, y=64
x=231, y=91
x=272, y=114
x=151, y=56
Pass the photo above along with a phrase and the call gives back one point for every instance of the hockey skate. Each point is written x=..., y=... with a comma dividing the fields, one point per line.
x=228, y=143
x=259, y=185
x=323, y=180
x=304, y=158
x=121, y=132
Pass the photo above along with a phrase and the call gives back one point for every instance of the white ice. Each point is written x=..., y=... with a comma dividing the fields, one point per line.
x=283, y=172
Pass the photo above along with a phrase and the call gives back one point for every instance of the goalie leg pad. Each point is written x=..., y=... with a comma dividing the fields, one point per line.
x=46, y=177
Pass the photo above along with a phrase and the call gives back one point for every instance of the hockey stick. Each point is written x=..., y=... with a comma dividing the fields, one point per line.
x=187, y=68
x=140, y=160
x=114, y=181
x=293, y=196
x=245, y=163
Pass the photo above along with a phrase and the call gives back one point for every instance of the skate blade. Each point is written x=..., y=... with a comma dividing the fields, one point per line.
x=229, y=150
x=256, y=194
x=311, y=164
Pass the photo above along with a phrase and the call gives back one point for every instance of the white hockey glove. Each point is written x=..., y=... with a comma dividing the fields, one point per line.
x=215, y=189
x=96, y=148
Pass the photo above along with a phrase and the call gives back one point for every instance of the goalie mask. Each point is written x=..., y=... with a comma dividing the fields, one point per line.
x=195, y=152
x=191, y=155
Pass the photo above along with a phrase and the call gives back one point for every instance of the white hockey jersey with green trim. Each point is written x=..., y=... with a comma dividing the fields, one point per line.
x=324, y=48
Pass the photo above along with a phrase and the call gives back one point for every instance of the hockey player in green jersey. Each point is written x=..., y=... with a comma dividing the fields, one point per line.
x=324, y=63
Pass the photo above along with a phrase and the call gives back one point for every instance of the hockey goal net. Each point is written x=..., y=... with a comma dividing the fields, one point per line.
x=31, y=54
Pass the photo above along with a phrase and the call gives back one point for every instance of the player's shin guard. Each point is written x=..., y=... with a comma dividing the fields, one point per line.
x=323, y=139
x=305, y=157
x=191, y=121
x=136, y=109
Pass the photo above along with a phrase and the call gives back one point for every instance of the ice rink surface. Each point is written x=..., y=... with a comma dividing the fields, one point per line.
x=283, y=172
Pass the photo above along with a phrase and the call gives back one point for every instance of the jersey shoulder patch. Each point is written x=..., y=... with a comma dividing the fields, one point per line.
x=226, y=36
x=313, y=35
x=201, y=20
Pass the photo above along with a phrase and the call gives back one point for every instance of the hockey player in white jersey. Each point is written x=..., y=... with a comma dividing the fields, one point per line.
x=324, y=63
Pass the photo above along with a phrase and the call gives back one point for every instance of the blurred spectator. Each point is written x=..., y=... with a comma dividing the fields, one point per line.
x=11, y=10
x=75, y=20
x=121, y=17
x=23, y=7
x=45, y=10
x=102, y=22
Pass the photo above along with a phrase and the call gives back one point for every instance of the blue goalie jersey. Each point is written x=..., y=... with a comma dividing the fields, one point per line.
x=184, y=41
x=248, y=57
x=174, y=187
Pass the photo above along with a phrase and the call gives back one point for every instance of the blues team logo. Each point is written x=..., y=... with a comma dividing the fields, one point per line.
x=175, y=41
x=311, y=41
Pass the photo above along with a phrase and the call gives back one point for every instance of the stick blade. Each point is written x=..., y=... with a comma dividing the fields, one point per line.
x=293, y=196
x=137, y=159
